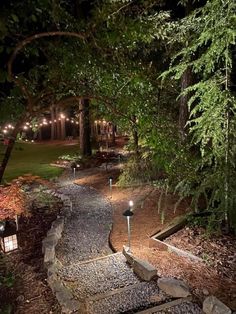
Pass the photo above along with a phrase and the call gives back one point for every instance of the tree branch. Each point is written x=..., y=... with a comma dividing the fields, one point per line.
x=24, y=43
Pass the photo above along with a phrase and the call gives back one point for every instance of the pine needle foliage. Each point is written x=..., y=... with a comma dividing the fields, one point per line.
x=212, y=105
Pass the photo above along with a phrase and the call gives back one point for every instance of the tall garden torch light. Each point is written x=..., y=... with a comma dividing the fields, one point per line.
x=128, y=214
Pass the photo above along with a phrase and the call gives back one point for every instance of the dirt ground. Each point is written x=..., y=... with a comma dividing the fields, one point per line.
x=203, y=277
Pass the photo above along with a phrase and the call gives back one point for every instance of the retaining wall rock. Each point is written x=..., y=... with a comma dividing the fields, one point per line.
x=212, y=305
x=62, y=293
x=142, y=268
x=174, y=287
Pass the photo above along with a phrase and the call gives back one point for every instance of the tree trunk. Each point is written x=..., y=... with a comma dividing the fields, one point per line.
x=53, y=123
x=186, y=81
x=9, y=148
x=58, y=125
x=63, y=129
x=84, y=127
x=135, y=138
x=113, y=135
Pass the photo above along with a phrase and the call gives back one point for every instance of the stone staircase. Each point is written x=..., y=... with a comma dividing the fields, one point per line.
x=108, y=285
x=85, y=277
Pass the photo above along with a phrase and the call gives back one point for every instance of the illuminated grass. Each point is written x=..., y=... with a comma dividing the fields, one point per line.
x=35, y=159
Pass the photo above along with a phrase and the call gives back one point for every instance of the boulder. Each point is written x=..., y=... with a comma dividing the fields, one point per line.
x=144, y=270
x=50, y=241
x=129, y=257
x=58, y=224
x=49, y=254
x=212, y=305
x=54, y=233
x=174, y=287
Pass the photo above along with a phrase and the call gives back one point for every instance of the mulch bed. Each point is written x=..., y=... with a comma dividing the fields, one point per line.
x=218, y=252
x=30, y=292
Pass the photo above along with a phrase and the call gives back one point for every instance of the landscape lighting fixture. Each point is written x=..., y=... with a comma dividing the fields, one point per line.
x=128, y=214
x=131, y=204
x=8, y=238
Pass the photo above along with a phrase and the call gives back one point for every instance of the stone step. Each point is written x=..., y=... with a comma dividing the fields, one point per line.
x=98, y=276
x=124, y=300
x=107, y=285
x=178, y=306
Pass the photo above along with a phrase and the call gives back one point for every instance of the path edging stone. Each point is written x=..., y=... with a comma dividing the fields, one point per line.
x=62, y=293
x=142, y=268
x=212, y=305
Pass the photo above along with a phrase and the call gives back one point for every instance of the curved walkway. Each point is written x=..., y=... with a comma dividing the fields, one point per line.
x=86, y=231
x=98, y=282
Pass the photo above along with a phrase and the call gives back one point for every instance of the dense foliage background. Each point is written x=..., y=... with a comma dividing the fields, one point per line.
x=164, y=72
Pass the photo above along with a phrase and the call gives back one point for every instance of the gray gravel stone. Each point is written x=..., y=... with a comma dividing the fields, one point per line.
x=138, y=296
x=87, y=230
x=99, y=276
x=183, y=308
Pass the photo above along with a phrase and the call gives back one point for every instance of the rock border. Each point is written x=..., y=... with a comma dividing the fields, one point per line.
x=156, y=240
x=141, y=268
x=52, y=264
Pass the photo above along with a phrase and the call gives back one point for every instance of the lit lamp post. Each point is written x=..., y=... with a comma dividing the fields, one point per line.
x=128, y=214
x=110, y=184
x=74, y=167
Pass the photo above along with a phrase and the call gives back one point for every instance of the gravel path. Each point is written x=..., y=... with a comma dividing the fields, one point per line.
x=183, y=308
x=99, y=276
x=100, y=280
x=87, y=230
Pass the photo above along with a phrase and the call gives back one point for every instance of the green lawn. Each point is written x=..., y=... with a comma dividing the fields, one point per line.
x=35, y=159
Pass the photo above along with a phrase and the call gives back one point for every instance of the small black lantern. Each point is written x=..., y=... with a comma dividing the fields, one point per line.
x=8, y=237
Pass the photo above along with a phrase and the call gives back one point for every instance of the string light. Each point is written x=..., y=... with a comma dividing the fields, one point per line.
x=44, y=122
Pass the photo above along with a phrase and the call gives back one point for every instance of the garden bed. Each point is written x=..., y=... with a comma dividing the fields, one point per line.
x=218, y=252
x=28, y=291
